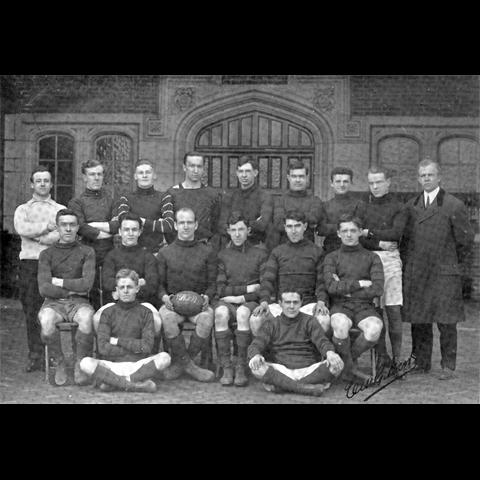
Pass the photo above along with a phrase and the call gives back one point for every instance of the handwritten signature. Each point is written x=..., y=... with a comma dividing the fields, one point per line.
x=353, y=388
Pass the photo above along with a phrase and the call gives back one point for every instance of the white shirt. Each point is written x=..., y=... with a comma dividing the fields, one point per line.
x=30, y=221
x=431, y=195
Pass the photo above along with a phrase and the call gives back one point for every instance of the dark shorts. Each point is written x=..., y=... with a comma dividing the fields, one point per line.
x=232, y=309
x=67, y=308
x=356, y=312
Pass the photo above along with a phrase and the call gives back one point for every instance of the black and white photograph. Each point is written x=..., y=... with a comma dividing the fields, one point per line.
x=240, y=239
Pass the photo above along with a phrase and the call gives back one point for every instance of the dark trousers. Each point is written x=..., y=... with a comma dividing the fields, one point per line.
x=422, y=344
x=31, y=302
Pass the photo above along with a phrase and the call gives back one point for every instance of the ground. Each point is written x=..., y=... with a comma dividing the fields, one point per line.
x=19, y=387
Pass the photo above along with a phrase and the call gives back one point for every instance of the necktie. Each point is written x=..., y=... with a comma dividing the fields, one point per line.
x=427, y=202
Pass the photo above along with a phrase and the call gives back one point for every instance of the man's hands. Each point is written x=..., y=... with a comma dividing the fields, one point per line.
x=365, y=283
x=256, y=362
x=58, y=282
x=335, y=361
x=141, y=282
x=205, y=303
x=51, y=226
x=320, y=308
x=167, y=302
x=261, y=309
x=113, y=341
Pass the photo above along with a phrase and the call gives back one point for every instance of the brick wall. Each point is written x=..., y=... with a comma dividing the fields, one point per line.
x=82, y=93
x=415, y=95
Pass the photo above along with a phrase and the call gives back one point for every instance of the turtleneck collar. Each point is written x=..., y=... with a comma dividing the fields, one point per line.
x=131, y=248
x=93, y=193
x=350, y=248
x=37, y=198
x=145, y=191
x=185, y=243
x=67, y=245
x=127, y=305
x=343, y=197
x=242, y=248
x=291, y=320
x=379, y=200
x=303, y=241
x=297, y=193
x=248, y=190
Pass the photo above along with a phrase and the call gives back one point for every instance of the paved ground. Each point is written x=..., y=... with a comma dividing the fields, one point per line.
x=19, y=387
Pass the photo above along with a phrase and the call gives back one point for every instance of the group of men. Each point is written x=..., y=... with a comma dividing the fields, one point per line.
x=287, y=304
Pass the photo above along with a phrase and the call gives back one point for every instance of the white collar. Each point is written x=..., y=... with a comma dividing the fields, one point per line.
x=432, y=195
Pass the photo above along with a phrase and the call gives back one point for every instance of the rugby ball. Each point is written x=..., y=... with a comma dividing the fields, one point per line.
x=187, y=303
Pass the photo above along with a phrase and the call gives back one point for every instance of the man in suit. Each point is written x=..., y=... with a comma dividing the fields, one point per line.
x=437, y=240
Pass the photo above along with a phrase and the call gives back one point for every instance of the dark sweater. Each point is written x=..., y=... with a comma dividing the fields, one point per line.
x=204, y=201
x=186, y=265
x=294, y=342
x=352, y=264
x=239, y=267
x=385, y=218
x=95, y=206
x=157, y=209
x=73, y=262
x=253, y=202
x=132, y=324
x=332, y=210
x=136, y=258
x=310, y=205
x=295, y=267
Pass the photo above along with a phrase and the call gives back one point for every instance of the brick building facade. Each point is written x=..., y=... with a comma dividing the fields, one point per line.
x=355, y=121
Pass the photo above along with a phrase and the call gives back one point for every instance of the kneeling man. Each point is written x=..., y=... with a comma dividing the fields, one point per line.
x=125, y=341
x=301, y=359
x=354, y=278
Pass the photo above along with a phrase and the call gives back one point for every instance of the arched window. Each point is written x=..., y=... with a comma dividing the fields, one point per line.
x=115, y=151
x=401, y=155
x=459, y=158
x=56, y=152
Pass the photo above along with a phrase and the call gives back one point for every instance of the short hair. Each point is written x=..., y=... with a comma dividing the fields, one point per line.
x=127, y=273
x=380, y=169
x=236, y=217
x=347, y=218
x=144, y=161
x=193, y=154
x=297, y=165
x=91, y=164
x=129, y=216
x=248, y=159
x=341, y=171
x=295, y=215
x=289, y=290
x=40, y=168
x=63, y=213
x=428, y=161
x=185, y=209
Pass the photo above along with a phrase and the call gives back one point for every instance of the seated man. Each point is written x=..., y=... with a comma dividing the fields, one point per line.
x=134, y=257
x=186, y=264
x=240, y=266
x=353, y=278
x=66, y=271
x=125, y=342
x=301, y=359
x=297, y=263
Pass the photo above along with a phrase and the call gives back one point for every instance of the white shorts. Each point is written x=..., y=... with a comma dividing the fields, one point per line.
x=297, y=373
x=125, y=369
x=392, y=271
x=276, y=309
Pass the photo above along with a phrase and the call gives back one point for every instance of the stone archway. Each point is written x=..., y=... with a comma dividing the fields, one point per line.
x=263, y=103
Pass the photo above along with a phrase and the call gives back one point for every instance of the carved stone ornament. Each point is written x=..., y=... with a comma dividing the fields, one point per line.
x=184, y=98
x=324, y=98
x=154, y=127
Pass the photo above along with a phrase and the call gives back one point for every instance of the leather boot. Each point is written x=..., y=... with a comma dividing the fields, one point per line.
x=84, y=349
x=178, y=352
x=56, y=360
x=274, y=377
x=200, y=374
x=223, y=340
x=145, y=372
x=342, y=347
x=243, y=339
x=105, y=375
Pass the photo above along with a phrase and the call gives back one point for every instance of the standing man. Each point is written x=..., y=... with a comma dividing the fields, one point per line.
x=187, y=264
x=296, y=198
x=343, y=202
x=240, y=267
x=66, y=272
x=154, y=208
x=34, y=221
x=254, y=203
x=385, y=219
x=295, y=265
x=95, y=211
x=204, y=200
x=437, y=240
